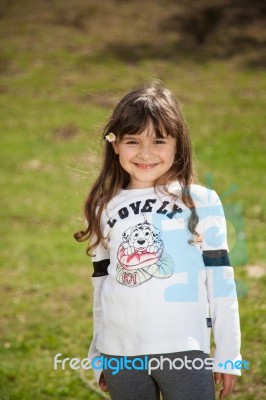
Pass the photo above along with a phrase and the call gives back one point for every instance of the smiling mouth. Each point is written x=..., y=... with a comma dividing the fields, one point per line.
x=146, y=166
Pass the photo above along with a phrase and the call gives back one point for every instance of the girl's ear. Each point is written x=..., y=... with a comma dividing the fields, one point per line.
x=115, y=147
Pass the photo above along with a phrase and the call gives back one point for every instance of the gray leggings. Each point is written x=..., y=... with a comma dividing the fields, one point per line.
x=172, y=384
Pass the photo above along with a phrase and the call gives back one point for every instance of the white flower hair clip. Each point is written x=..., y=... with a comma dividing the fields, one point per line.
x=110, y=137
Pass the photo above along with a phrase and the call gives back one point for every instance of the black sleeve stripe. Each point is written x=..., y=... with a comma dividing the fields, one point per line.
x=100, y=268
x=216, y=258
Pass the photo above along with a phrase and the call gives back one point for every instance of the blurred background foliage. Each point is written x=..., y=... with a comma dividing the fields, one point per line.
x=64, y=65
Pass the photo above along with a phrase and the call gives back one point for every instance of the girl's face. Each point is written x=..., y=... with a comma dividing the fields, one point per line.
x=145, y=157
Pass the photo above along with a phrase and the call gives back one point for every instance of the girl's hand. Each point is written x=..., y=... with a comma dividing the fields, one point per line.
x=103, y=384
x=229, y=382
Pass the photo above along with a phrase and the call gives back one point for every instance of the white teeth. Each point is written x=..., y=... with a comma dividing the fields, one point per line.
x=146, y=165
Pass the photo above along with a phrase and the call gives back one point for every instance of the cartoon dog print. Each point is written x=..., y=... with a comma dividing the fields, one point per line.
x=142, y=237
x=141, y=256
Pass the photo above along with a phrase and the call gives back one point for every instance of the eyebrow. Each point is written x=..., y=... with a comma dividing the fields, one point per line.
x=127, y=137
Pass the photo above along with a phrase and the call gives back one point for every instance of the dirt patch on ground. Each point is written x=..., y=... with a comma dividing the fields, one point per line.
x=256, y=271
x=66, y=132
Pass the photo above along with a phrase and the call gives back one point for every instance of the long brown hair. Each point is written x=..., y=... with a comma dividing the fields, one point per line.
x=150, y=103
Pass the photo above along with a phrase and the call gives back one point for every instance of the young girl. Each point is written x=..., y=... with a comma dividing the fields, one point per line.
x=162, y=276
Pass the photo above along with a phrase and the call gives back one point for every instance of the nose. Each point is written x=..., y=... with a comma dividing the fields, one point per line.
x=141, y=241
x=145, y=152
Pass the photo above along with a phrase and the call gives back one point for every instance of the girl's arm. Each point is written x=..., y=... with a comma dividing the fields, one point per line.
x=221, y=290
x=100, y=261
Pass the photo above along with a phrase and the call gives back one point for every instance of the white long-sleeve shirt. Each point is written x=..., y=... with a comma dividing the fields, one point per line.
x=154, y=292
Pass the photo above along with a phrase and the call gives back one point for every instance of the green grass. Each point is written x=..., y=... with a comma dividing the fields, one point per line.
x=59, y=81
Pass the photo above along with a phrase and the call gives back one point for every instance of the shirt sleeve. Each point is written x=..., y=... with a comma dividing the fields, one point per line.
x=221, y=289
x=100, y=261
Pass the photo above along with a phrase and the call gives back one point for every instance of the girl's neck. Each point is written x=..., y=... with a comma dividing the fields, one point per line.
x=132, y=187
x=170, y=184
